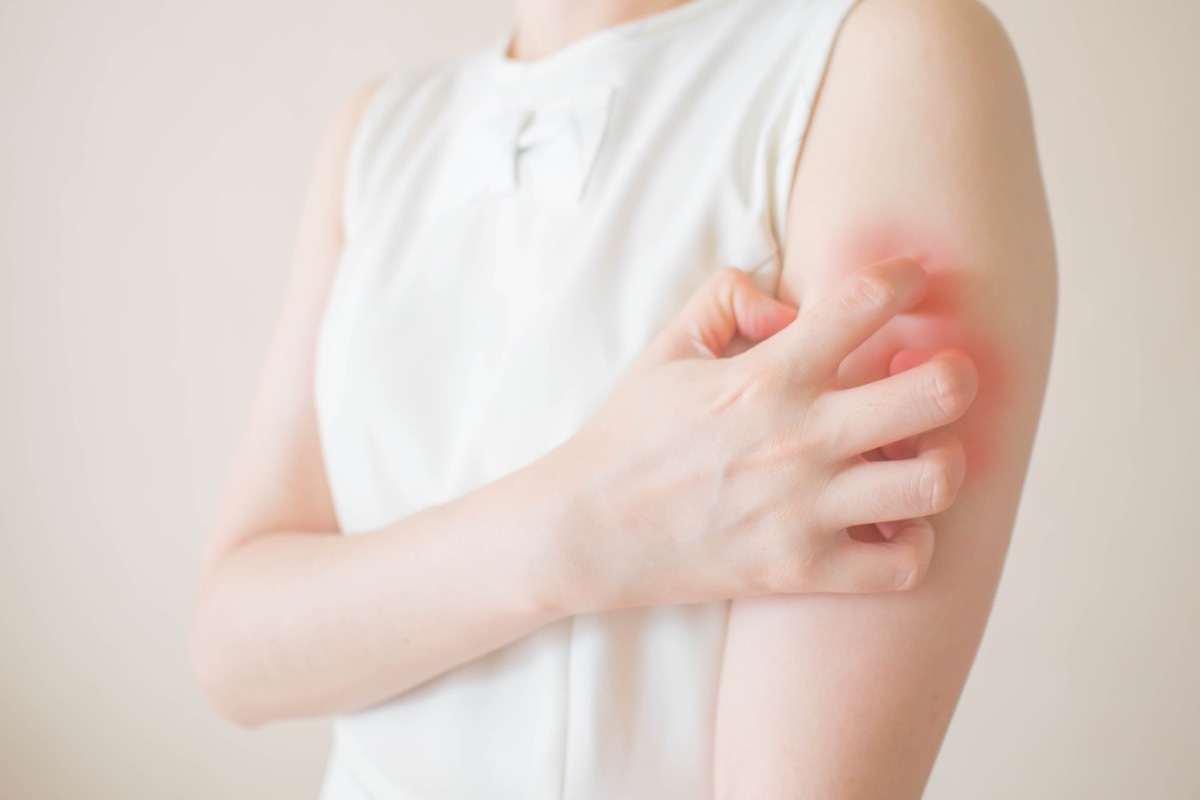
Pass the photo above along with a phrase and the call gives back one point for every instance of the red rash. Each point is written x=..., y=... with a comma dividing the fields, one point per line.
x=953, y=314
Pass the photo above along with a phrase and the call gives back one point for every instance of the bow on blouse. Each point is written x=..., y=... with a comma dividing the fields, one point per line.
x=565, y=133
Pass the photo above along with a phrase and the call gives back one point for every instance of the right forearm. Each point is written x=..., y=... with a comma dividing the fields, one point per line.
x=296, y=624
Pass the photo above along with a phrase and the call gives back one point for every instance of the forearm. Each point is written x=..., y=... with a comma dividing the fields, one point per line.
x=294, y=624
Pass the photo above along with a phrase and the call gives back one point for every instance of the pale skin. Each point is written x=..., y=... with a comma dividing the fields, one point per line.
x=791, y=420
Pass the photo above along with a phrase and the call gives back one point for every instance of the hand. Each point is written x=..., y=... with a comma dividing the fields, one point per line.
x=714, y=477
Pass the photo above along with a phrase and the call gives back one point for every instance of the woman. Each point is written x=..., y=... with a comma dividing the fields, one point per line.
x=646, y=414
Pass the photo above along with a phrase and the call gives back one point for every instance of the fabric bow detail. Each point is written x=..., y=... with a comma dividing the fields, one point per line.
x=565, y=134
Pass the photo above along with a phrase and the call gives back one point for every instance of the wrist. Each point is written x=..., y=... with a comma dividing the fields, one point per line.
x=567, y=531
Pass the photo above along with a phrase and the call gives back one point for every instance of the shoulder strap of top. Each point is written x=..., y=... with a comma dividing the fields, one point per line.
x=819, y=25
x=364, y=142
x=381, y=120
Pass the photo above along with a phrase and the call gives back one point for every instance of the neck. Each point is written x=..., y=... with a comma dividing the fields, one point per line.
x=544, y=26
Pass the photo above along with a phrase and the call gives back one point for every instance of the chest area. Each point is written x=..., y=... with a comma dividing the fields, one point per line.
x=507, y=270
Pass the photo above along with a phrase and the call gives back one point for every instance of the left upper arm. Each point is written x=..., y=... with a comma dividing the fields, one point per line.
x=921, y=144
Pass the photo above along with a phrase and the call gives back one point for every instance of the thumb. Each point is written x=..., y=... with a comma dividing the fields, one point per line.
x=728, y=304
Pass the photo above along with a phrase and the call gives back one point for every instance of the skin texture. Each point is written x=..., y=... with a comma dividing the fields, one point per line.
x=921, y=143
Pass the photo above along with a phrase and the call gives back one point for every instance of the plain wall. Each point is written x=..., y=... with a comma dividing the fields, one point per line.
x=152, y=161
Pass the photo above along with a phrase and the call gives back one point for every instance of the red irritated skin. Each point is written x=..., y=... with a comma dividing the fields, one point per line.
x=921, y=145
x=941, y=320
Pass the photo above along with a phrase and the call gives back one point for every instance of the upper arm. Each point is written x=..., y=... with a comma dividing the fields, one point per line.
x=921, y=144
x=277, y=478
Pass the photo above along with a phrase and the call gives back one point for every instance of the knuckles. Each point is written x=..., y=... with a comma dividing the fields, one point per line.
x=911, y=569
x=880, y=285
x=729, y=276
x=788, y=569
x=933, y=487
x=865, y=292
x=950, y=387
x=755, y=378
x=726, y=282
x=741, y=382
x=938, y=481
x=774, y=557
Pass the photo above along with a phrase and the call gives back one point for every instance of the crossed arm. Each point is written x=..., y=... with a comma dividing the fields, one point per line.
x=920, y=144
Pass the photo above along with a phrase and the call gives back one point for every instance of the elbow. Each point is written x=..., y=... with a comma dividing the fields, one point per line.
x=216, y=672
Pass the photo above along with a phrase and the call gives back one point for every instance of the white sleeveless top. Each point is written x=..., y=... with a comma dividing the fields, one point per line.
x=517, y=232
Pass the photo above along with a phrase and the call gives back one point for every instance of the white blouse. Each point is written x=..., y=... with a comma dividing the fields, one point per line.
x=517, y=232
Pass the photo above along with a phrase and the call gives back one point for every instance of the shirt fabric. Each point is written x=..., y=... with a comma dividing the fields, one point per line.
x=516, y=234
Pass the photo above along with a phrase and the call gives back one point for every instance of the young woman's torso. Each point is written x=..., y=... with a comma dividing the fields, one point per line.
x=517, y=232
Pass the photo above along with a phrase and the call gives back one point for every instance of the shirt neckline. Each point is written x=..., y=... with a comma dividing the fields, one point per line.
x=505, y=68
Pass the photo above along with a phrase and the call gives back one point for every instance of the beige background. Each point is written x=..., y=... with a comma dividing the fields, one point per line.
x=152, y=159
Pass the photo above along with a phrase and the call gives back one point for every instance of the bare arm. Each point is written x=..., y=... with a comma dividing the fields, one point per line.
x=293, y=619
x=921, y=144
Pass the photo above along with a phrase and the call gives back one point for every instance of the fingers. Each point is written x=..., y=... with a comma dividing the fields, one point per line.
x=882, y=491
x=898, y=563
x=729, y=304
x=892, y=409
x=902, y=360
x=821, y=337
